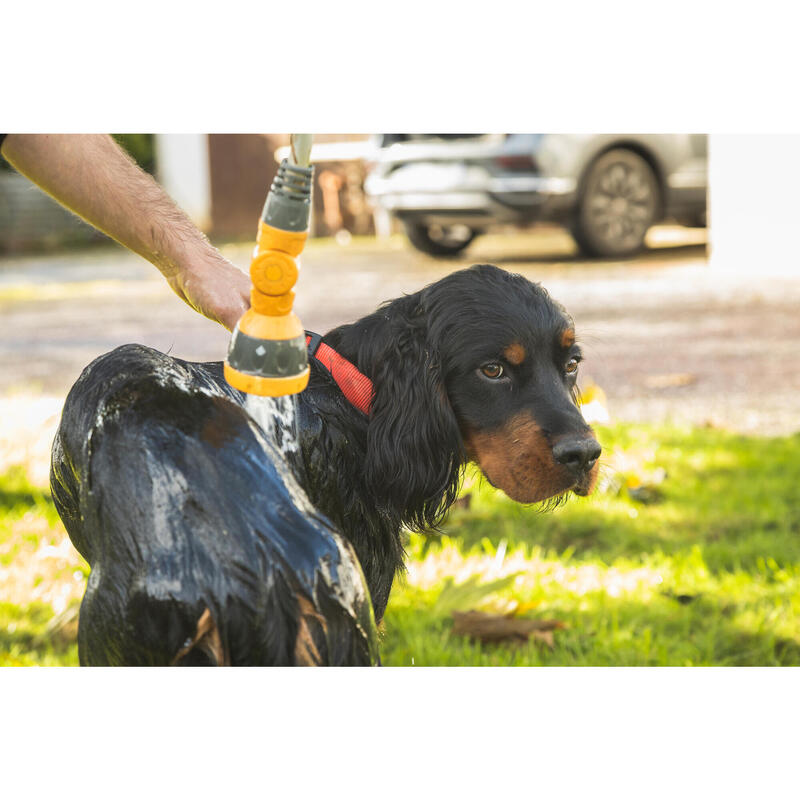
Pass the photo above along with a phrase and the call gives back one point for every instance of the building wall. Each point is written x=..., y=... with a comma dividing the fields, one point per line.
x=242, y=167
x=182, y=168
x=754, y=203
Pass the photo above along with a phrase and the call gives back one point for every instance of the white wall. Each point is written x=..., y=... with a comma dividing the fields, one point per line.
x=754, y=203
x=182, y=168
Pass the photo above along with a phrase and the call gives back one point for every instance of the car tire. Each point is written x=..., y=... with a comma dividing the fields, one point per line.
x=619, y=202
x=439, y=240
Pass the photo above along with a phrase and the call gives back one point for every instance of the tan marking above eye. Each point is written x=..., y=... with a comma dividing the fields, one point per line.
x=568, y=337
x=515, y=354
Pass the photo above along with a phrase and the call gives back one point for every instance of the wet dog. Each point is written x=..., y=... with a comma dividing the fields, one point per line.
x=227, y=530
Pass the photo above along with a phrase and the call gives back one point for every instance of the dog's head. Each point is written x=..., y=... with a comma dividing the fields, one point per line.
x=482, y=366
x=509, y=361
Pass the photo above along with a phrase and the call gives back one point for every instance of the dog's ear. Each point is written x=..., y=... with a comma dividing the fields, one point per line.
x=414, y=447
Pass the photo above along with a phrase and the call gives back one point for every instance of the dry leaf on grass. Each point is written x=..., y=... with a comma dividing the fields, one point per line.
x=670, y=380
x=464, y=502
x=505, y=628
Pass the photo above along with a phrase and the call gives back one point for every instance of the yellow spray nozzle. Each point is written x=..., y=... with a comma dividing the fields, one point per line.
x=267, y=353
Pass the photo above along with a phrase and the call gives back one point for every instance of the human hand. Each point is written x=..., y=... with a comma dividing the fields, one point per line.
x=214, y=287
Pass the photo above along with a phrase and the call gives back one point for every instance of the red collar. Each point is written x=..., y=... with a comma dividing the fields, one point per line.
x=355, y=386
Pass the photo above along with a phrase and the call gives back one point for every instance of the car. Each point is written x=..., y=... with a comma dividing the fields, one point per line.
x=607, y=189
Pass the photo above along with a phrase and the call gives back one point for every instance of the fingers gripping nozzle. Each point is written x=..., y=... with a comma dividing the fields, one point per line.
x=267, y=353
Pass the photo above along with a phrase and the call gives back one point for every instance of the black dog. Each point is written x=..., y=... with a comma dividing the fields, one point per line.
x=216, y=539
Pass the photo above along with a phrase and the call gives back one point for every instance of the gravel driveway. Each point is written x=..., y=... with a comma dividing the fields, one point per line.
x=664, y=335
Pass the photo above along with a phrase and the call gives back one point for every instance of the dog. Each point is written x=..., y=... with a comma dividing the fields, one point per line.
x=219, y=534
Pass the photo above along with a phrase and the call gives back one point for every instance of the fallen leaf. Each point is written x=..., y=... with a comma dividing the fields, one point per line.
x=495, y=628
x=683, y=599
x=670, y=380
x=516, y=608
x=464, y=502
x=591, y=393
x=593, y=403
x=646, y=495
x=546, y=637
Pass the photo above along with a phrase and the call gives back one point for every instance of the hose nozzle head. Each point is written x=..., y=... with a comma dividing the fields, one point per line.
x=267, y=355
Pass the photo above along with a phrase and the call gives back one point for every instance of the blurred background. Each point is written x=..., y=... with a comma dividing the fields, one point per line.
x=675, y=255
x=391, y=213
x=443, y=190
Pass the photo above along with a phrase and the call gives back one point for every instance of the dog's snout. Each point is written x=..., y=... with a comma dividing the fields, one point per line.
x=577, y=455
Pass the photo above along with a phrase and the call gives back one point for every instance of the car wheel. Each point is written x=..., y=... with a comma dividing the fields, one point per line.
x=439, y=240
x=618, y=204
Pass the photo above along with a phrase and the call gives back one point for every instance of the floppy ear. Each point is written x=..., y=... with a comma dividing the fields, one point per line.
x=414, y=447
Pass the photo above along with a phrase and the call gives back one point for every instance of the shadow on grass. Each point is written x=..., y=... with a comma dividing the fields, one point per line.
x=12, y=499
x=667, y=632
x=17, y=492
x=615, y=632
x=32, y=635
x=725, y=544
x=731, y=496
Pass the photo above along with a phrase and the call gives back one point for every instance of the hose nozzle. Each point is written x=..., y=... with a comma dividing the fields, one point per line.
x=267, y=353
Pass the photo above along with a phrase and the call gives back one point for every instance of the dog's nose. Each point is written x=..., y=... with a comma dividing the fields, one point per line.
x=577, y=455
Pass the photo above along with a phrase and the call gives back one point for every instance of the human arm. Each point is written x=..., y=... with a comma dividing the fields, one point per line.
x=93, y=177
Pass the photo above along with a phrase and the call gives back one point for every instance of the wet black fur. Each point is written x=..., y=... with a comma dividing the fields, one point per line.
x=181, y=502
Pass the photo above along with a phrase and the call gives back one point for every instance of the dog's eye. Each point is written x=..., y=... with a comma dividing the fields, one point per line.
x=493, y=371
x=571, y=367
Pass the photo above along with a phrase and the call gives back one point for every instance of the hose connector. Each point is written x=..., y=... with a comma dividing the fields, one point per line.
x=288, y=204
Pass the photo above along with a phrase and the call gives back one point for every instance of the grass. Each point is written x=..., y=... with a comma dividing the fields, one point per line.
x=687, y=554
x=42, y=577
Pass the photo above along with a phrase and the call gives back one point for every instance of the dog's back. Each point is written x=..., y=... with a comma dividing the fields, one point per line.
x=203, y=546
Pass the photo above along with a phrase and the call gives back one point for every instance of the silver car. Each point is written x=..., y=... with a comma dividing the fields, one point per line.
x=608, y=189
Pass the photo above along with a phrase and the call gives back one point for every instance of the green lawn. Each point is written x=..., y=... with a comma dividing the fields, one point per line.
x=688, y=553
